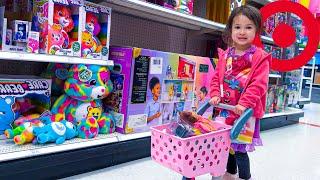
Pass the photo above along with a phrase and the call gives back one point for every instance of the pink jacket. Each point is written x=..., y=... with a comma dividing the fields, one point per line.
x=254, y=95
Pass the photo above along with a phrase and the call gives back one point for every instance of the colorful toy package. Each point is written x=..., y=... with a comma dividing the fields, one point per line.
x=184, y=6
x=95, y=31
x=20, y=93
x=152, y=87
x=57, y=22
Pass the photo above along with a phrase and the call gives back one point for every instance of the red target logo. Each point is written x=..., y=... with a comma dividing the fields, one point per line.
x=284, y=35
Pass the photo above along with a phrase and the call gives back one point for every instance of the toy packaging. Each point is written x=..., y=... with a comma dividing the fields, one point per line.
x=19, y=94
x=95, y=31
x=57, y=22
x=184, y=6
x=152, y=87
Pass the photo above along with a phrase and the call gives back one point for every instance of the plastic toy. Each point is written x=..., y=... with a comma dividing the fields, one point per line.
x=20, y=31
x=56, y=132
x=81, y=104
x=33, y=42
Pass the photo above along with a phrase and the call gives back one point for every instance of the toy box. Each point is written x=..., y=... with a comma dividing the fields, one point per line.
x=20, y=94
x=57, y=22
x=152, y=87
x=203, y=76
x=95, y=31
x=184, y=6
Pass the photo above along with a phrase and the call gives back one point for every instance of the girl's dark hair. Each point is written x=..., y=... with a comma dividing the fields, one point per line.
x=250, y=12
x=153, y=82
x=204, y=90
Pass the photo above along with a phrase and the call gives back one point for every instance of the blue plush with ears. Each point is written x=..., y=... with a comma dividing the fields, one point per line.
x=7, y=115
x=56, y=132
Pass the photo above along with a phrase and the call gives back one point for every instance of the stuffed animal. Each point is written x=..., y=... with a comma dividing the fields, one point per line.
x=81, y=104
x=58, y=73
x=8, y=113
x=56, y=38
x=89, y=41
x=56, y=132
x=23, y=133
x=62, y=16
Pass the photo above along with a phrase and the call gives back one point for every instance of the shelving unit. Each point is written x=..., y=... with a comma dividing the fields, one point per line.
x=83, y=155
x=167, y=16
x=17, y=56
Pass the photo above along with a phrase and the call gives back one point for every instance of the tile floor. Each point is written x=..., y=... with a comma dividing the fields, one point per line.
x=289, y=153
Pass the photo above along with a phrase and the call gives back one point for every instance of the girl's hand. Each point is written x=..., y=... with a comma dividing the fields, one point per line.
x=215, y=100
x=239, y=109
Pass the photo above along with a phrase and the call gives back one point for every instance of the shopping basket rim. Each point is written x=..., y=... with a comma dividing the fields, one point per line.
x=227, y=128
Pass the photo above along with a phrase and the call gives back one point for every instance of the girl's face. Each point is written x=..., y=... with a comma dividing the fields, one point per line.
x=243, y=32
x=201, y=95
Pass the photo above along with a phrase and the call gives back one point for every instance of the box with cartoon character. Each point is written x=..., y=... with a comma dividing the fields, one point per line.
x=20, y=96
x=152, y=87
x=203, y=74
x=95, y=31
x=58, y=22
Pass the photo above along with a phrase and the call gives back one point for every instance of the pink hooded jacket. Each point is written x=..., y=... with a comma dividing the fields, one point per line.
x=254, y=95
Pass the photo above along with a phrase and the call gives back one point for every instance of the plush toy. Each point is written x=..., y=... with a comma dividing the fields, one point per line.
x=57, y=38
x=56, y=132
x=92, y=24
x=81, y=104
x=58, y=73
x=62, y=16
x=89, y=42
x=8, y=113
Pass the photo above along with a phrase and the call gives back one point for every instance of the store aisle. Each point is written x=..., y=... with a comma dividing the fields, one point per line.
x=290, y=153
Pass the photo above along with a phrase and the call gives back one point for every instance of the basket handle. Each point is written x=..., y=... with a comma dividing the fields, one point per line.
x=238, y=125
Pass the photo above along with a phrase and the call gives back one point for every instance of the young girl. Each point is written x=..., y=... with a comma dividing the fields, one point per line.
x=241, y=79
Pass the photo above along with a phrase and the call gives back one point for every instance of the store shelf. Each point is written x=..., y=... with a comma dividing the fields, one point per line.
x=301, y=49
x=188, y=80
x=127, y=137
x=11, y=151
x=167, y=16
x=262, y=2
x=275, y=75
x=17, y=56
x=289, y=111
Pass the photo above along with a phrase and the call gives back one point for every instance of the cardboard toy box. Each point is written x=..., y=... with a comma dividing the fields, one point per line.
x=95, y=31
x=152, y=87
x=57, y=22
x=19, y=94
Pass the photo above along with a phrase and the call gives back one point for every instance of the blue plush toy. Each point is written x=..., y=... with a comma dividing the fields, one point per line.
x=56, y=132
x=7, y=115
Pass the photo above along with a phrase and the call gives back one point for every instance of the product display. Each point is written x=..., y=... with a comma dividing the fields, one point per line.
x=152, y=87
x=55, y=23
x=95, y=31
x=20, y=96
x=81, y=104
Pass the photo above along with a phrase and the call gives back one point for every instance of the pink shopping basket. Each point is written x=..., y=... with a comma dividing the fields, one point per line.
x=193, y=156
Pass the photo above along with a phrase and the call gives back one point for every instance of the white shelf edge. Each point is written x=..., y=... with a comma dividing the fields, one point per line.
x=289, y=111
x=42, y=150
x=275, y=75
x=17, y=56
x=301, y=49
x=127, y=137
x=267, y=39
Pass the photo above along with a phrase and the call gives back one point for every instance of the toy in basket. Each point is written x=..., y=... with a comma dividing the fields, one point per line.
x=196, y=155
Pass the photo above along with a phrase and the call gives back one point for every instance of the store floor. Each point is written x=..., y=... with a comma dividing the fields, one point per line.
x=289, y=153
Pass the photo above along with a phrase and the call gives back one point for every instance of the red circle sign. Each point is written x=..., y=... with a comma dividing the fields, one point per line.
x=312, y=34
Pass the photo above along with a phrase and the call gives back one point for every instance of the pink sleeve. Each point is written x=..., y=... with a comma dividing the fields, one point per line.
x=258, y=84
x=214, y=85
